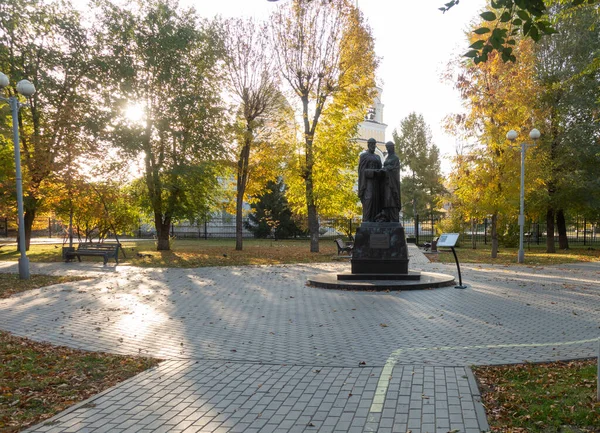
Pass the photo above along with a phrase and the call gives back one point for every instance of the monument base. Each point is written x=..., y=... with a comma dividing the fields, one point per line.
x=380, y=248
x=410, y=276
x=427, y=280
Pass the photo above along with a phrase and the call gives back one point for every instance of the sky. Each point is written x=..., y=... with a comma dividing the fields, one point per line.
x=415, y=42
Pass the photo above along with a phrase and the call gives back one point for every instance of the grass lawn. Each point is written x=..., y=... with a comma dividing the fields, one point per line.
x=508, y=256
x=191, y=253
x=38, y=380
x=544, y=398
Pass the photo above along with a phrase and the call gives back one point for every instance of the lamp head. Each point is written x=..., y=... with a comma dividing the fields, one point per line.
x=512, y=135
x=3, y=81
x=26, y=88
x=534, y=134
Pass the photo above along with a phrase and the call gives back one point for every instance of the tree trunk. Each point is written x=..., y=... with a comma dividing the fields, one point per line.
x=561, y=225
x=162, y=232
x=242, y=182
x=313, y=219
x=494, y=235
x=313, y=228
x=550, y=247
x=473, y=235
x=29, y=217
x=238, y=222
x=311, y=206
x=554, y=174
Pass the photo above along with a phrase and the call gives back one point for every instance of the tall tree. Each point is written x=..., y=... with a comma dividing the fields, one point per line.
x=571, y=96
x=46, y=43
x=498, y=96
x=166, y=60
x=422, y=185
x=324, y=52
x=262, y=115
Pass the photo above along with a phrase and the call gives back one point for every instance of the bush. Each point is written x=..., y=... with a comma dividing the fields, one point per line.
x=508, y=235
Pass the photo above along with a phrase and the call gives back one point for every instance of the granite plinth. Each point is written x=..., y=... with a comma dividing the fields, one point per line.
x=427, y=280
x=380, y=248
x=408, y=276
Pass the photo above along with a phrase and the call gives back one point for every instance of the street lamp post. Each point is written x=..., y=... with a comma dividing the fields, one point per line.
x=512, y=136
x=27, y=89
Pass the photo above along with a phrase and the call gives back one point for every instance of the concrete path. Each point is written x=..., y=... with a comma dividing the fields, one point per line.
x=254, y=349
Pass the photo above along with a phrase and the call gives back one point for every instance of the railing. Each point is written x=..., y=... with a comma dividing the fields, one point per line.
x=224, y=227
x=580, y=232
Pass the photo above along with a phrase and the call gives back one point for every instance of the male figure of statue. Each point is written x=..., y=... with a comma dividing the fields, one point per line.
x=391, y=184
x=369, y=169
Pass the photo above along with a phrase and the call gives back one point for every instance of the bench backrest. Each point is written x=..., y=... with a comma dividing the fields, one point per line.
x=95, y=246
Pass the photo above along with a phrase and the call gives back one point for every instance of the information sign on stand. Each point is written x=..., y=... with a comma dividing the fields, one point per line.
x=449, y=240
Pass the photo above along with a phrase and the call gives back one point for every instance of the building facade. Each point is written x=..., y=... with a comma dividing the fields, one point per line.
x=373, y=126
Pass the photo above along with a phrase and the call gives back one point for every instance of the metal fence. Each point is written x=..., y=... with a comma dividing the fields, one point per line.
x=223, y=227
x=580, y=232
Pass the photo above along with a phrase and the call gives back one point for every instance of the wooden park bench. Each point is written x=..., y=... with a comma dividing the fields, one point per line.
x=344, y=246
x=106, y=251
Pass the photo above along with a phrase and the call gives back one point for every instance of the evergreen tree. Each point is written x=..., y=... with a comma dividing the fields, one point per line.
x=271, y=215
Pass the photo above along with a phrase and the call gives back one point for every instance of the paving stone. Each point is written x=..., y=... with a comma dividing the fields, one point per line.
x=296, y=357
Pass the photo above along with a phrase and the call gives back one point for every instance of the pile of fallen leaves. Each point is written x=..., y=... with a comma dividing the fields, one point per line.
x=188, y=255
x=38, y=380
x=548, y=398
x=191, y=253
x=10, y=284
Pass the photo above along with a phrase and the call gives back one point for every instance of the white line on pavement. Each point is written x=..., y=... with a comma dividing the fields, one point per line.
x=386, y=373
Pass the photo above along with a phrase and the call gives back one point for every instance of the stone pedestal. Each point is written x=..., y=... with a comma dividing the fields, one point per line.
x=380, y=248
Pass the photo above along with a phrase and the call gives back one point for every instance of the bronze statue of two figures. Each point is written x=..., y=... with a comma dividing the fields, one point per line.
x=380, y=250
x=379, y=187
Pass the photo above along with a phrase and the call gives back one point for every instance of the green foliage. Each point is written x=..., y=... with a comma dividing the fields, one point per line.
x=7, y=176
x=271, y=215
x=497, y=96
x=421, y=183
x=508, y=234
x=46, y=43
x=527, y=17
x=168, y=60
x=550, y=87
x=454, y=222
x=98, y=208
x=570, y=96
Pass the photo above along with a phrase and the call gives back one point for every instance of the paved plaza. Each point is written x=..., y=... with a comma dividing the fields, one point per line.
x=255, y=349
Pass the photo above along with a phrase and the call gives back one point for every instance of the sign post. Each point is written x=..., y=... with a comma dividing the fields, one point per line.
x=449, y=240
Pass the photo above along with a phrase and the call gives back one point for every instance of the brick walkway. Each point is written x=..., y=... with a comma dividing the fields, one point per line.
x=254, y=349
